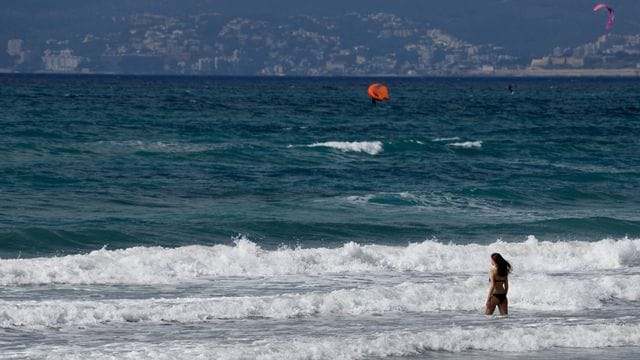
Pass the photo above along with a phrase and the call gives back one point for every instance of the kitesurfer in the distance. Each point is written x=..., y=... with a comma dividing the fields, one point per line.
x=611, y=17
x=378, y=92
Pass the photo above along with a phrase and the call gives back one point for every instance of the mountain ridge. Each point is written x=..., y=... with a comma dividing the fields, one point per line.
x=216, y=38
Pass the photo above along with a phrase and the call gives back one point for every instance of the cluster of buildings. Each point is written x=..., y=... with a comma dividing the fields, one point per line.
x=610, y=51
x=351, y=45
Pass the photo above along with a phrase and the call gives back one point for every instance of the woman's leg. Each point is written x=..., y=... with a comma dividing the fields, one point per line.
x=504, y=307
x=490, y=307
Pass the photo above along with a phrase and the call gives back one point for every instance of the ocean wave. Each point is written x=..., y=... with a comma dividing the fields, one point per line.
x=455, y=138
x=443, y=202
x=467, y=144
x=131, y=146
x=369, y=147
x=534, y=293
x=364, y=346
x=419, y=142
x=144, y=265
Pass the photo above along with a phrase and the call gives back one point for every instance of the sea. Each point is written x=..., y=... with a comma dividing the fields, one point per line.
x=289, y=218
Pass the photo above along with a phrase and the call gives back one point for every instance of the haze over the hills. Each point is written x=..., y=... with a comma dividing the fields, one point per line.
x=517, y=29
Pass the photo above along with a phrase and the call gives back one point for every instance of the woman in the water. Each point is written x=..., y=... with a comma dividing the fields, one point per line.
x=498, y=285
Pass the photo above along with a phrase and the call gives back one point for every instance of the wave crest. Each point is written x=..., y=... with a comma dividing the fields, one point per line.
x=558, y=294
x=144, y=265
x=365, y=346
x=369, y=147
x=467, y=144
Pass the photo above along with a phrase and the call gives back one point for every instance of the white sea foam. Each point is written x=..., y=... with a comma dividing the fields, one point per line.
x=150, y=146
x=455, y=138
x=364, y=346
x=467, y=144
x=142, y=265
x=369, y=147
x=535, y=293
x=443, y=202
x=359, y=199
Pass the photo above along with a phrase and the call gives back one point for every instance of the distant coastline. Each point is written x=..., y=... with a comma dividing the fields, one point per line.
x=497, y=73
x=533, y=72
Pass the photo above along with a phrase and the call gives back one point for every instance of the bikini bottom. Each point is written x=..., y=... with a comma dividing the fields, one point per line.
x=502, y=298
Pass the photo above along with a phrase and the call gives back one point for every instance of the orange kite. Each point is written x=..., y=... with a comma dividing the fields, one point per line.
x=378, y=92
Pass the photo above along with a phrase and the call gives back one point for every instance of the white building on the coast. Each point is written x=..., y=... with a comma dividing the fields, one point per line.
x=61, y=61
x=14, y=49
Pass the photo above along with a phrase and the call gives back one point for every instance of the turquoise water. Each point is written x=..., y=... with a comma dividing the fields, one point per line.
x=108, y=161
x=249, y=217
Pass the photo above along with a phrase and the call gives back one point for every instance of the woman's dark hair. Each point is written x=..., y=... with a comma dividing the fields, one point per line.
x=504, y=268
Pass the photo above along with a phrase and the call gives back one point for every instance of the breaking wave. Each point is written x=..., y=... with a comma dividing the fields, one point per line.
x=533, y=292
x=467, y=144
x=149, y=265
x=369, y=147
x=386, y=344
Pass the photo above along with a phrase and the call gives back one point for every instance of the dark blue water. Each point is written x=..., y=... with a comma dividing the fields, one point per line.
x=109, y=161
